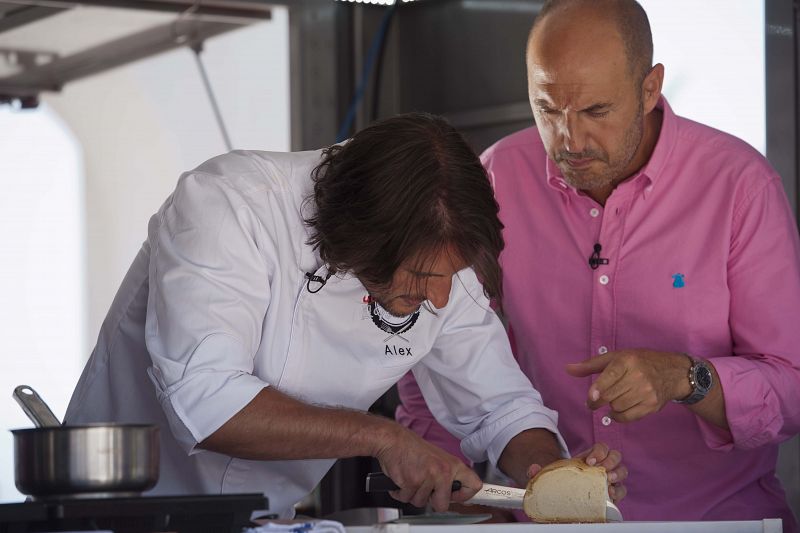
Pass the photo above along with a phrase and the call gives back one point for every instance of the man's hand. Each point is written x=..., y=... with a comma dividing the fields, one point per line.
x=635, y=383
x=424, y=472
x=611, y=460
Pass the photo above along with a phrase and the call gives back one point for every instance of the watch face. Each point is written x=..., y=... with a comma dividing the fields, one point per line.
x=702, y=376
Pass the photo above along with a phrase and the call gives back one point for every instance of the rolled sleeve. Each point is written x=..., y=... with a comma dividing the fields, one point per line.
x=520, y=414
x=472, y=384
x=208, y=394
x=761, y=383
x=208, y=295
x=752, y=404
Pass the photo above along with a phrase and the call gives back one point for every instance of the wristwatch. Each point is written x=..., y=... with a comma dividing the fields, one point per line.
x=701, y=380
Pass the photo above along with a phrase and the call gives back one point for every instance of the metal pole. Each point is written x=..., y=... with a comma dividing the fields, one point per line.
x=197, y=48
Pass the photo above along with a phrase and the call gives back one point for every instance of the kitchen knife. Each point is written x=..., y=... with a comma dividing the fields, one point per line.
x=490, y=495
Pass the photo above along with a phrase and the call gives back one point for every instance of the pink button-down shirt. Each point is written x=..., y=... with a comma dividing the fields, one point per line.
x=703, y=258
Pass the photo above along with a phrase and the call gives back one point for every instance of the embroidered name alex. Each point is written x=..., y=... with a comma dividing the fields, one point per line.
x=393, y=350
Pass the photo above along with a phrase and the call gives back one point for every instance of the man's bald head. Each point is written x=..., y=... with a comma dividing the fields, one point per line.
x=627, y=16
x=593, y=90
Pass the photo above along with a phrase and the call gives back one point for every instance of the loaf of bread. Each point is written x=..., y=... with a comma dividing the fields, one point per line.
x=567, y=491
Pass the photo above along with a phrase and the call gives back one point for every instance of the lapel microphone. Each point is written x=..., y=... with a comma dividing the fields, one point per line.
x=312, y=278
x=595, y=260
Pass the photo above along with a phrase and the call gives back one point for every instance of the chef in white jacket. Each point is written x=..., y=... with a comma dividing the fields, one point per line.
x=278, y=295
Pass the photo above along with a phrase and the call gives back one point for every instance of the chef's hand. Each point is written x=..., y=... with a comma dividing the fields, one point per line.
x=424, y=472
x=600, y=455
x=635, y=383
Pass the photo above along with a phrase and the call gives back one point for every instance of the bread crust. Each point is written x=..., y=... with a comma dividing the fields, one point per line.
x=574, y=464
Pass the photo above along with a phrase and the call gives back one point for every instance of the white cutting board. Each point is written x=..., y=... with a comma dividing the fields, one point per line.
x=751, y=526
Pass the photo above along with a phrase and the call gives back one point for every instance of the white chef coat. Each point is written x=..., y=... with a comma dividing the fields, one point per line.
x=216, y=307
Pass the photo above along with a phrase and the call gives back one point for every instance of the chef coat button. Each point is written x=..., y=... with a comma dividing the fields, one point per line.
x=603, y=280
x=601, y=350
x=606, y=420
x=594, y=212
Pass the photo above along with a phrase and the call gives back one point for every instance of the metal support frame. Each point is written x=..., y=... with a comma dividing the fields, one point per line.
x=782, y=48
x=320, y=71
x=241, y=9
x=53, y=75
x=492, y=115
x=16, y=16
x=197, y=21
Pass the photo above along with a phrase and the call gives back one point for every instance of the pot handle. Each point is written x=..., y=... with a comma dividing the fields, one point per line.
x=35, y=408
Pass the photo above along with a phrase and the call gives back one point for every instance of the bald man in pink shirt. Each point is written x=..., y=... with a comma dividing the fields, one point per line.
x=651, y=276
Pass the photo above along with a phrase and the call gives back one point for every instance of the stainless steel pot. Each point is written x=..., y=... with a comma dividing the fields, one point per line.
x=55, y=461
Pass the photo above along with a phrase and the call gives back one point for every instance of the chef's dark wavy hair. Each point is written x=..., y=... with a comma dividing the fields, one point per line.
x=400, y=189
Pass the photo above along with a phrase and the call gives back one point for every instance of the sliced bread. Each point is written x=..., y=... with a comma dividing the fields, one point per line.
x=565, y=491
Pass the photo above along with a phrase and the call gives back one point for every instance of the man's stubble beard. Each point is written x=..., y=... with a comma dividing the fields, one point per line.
x=385, y=302
x=613, y=173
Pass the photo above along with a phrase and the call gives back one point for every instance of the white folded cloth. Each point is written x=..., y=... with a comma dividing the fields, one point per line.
x=299, y=526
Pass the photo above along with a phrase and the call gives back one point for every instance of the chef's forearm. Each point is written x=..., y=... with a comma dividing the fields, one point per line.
x=275, y=426
x=532, y=446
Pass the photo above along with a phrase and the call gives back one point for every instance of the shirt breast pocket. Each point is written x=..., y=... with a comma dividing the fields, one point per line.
x=681, y=310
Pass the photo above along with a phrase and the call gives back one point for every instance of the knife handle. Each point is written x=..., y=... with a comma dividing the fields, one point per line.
x=380, y=482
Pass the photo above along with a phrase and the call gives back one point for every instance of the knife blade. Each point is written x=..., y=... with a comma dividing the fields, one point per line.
x=489, y=495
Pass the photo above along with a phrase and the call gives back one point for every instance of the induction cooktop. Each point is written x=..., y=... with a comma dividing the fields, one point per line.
x=142, y=514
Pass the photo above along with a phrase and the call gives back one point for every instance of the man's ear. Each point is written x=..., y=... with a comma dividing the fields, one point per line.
x=651, y=87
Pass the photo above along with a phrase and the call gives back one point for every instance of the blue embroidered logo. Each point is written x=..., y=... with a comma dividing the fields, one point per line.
x=677, y=281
